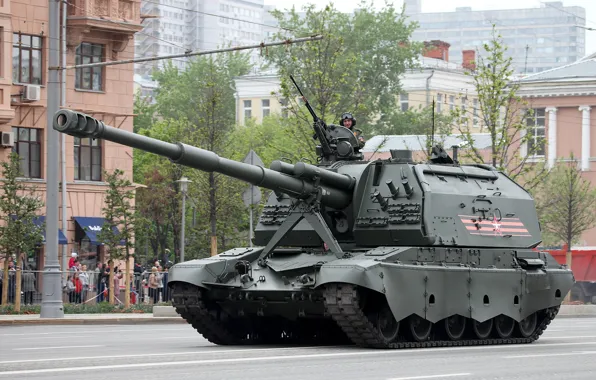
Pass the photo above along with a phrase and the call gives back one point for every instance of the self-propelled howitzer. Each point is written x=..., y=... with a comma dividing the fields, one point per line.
x=387, y=253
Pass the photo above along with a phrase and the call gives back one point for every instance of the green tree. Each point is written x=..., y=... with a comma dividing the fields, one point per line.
x=19, y=235
x=144, y=111
x=567, y=204
x=157, y=205
x=432, y=127
x=271, y=140
x=505, y=116
x=159, y=202
x=356, y=67
x=119, y=214
x=199, y=102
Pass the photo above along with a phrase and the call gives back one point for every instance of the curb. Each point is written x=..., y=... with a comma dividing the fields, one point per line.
x=577, y=311
x=564, y=316
x=92, y=321
x=167, y=314
x=165, y=311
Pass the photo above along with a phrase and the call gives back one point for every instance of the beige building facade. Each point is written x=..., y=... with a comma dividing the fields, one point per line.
x=564, y=104
x=257, y=96
x=436, y=79
x=96, y=31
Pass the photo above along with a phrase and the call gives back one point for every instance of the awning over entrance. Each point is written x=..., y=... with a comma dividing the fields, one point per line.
x=61, y=237
x=39, y=221
x=90, y=226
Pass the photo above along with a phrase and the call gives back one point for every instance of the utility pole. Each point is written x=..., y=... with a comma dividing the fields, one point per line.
x=183, y=189
x=63, y=142
x=51, y=304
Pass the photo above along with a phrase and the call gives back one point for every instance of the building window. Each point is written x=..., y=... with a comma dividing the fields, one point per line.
x=403, y=101
x=265, y=105
x=284, y=107
x=89, y=78
x=464, y=110
x=247, y=109
x=536, y=132
x=439, y=102
x=26, y=58
x=87, y=159
x=28, y=147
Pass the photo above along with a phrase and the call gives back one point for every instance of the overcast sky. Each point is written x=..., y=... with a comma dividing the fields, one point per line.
x=450, y=5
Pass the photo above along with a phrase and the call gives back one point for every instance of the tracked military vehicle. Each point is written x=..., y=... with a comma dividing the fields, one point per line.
x=387, y=253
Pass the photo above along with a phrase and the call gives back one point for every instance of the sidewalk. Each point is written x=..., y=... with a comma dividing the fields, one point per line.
x=88, y=319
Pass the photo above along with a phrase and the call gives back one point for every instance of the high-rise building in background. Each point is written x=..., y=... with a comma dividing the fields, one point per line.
x=176, y=26
x=537, y=39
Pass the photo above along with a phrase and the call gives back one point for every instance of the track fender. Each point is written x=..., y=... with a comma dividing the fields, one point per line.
x=210, y=269
x=404, y=288
x=361, y=273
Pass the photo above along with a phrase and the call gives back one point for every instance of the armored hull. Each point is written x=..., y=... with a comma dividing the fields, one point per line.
x=387, y=297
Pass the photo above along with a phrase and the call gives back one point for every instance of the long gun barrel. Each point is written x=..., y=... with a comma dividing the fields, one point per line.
x=80, y=125
x=307, y=171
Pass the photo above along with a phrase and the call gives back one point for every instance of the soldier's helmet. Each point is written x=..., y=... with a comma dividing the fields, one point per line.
x=347, y=115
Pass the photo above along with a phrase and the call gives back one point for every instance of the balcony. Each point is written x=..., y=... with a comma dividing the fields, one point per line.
x=120, y=19
x=6, y=113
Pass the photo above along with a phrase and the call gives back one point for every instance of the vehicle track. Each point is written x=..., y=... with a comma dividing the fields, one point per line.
x=342, y=302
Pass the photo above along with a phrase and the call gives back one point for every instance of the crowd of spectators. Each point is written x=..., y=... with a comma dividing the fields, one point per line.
x=85, y=285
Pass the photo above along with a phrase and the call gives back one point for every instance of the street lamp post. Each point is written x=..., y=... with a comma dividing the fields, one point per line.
x=183, y=188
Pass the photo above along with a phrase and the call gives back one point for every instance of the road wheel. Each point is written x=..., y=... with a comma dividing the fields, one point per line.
x=455, y=326
x=526, y=326
x=420, y=328
x=504, y=326
x=482, y=330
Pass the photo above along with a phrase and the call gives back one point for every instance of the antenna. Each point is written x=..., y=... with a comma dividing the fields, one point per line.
x=526, y=64
x=432, y=136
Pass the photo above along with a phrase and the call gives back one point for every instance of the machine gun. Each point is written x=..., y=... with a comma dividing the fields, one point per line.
x=337, y=142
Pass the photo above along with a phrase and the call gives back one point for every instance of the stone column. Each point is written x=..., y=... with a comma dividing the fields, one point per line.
x=585, y=137
x=552, y=136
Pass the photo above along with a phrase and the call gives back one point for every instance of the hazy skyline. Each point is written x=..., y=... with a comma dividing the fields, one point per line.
x=449, y=6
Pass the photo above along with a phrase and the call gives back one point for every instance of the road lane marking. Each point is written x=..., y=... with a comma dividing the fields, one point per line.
x=136, y=338
x=53, y=348
x=163, y=354
x=430, y=376
x=207, y=351
x=571, y=336
x=90, y=331
x=195, y=362
x=547, y=355
x=265, y=358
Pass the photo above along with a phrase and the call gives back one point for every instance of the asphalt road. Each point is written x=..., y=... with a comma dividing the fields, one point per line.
x=567, y=351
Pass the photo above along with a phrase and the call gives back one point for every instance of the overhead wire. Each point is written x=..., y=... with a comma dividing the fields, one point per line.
x=124, y=24
x=218, y=15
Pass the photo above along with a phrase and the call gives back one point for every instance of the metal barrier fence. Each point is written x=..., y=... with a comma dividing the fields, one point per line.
x=87, y=287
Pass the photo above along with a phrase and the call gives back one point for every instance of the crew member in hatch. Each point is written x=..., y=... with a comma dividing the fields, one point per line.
x=348, y=121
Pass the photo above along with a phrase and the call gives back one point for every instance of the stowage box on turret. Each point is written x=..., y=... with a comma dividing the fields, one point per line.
x=388, y=253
